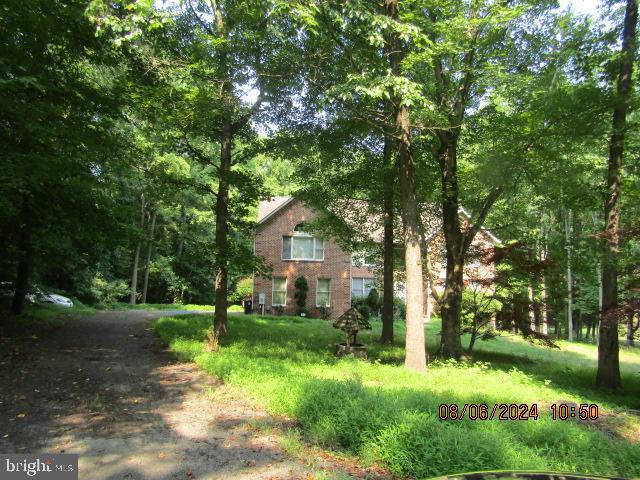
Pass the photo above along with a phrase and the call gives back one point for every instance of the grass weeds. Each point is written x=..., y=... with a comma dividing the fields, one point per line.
x=172, y=306
x=384, y=413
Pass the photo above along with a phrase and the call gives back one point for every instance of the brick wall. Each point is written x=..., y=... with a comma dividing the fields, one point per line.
x=336, y=265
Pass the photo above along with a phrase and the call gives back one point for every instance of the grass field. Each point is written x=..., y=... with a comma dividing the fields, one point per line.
x=173, y=306
x=382, y=413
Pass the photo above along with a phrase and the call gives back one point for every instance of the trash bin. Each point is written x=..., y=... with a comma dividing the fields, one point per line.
x=248, y=306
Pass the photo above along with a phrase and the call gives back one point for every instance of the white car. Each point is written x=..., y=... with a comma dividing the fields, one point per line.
x=6, y=289
x=56, y=300
x=36, y=295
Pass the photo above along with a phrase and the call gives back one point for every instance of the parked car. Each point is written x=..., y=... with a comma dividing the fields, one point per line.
x=57, y=300
x=36, y=295
x=6, y=289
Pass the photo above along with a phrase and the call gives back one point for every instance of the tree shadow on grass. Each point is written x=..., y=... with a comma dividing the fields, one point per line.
x=402, y=429
x=397, y=422
x=579, y=381
x=277, y=345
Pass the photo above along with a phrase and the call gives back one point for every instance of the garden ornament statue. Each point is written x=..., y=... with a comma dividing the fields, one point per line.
x=351, y=322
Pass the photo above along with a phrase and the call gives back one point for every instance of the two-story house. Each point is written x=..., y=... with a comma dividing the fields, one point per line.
x=334, y=276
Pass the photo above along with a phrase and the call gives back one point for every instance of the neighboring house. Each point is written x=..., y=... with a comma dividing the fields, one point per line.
x=334, y=276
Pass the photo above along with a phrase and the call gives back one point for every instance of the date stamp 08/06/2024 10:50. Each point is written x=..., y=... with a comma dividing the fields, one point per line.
x=516, y=411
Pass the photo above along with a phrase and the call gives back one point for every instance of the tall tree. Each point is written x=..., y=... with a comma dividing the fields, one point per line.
x=59, y=103
x=608, y=374
x=220, y=51
x=388, y=242
x=415, y=356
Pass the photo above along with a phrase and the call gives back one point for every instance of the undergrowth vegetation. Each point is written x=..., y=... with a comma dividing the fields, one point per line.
x=384, y=413
x=172, y=306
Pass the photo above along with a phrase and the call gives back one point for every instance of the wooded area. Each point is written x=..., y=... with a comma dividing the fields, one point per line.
x=138, y=137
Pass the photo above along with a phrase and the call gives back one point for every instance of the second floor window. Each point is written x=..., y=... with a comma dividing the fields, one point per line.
x=302, y=246
x=363, y=260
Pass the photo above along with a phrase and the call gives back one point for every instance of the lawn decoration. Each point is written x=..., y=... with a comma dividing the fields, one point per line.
x=351, y=322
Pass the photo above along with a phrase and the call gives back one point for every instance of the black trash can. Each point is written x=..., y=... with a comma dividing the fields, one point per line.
x=248, y=306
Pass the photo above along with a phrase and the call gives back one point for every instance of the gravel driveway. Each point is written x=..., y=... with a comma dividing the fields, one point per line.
x=105, y=388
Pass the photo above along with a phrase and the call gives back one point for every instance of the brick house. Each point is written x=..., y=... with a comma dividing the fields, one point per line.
x=334, y=276
x=332, y=273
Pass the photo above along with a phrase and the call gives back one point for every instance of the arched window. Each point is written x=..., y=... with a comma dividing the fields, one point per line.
x=302, y=245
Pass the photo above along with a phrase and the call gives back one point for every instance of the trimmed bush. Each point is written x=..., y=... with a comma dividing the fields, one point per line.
x=373, y=302
x=302, y=287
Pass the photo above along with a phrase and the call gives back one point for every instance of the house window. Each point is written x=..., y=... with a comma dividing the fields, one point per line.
x=363, y=260
x=323, y=292
x=279, y=293
x=360, y=287
x=302, y=246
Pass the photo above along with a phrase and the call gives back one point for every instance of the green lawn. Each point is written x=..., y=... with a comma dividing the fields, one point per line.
x=383, y=413
x=173, y=306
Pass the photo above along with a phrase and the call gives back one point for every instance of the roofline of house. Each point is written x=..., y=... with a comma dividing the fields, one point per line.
x=461, y=211
x=493, y=238
x=272, y=213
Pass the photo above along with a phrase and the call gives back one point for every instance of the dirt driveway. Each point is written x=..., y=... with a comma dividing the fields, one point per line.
x=105, y=388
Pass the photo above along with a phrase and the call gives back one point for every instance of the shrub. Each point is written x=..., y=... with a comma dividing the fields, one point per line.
x=325, y=312
x=302, y=287
x=243, y=289
x=107, y=292
x=361, y=305
x=478, y=310
x=373, y=302
x=399, y=308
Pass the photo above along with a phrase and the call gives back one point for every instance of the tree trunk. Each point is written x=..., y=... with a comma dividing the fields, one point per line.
x=545, y=307
x=222, y=202
x=472, y=341
x=24, y=266
x=568, y=221
x=579, y=324
x=543, y=258
x=136, y=257
x=596, y=327
x=532, y=306
x=454, y=242
x=415, y=356
x=145, y=284
x=183, y=224
x=631, y=329
x=608, y=375
x=222, y=232
x=387, y=306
